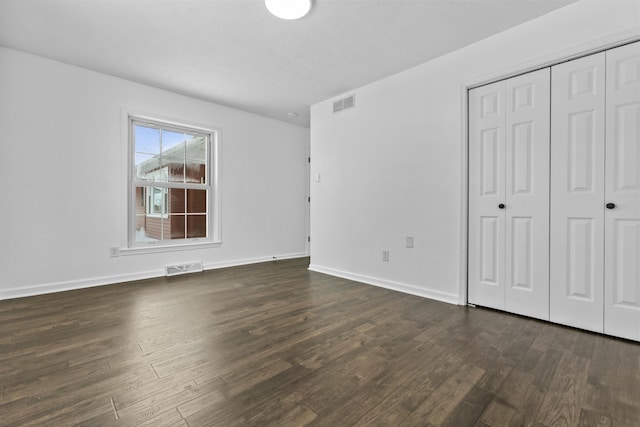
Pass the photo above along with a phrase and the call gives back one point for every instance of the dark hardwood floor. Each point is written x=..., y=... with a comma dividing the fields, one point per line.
x=275, y=344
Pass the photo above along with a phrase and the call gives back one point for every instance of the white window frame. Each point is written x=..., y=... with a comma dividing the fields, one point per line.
x=212, y=238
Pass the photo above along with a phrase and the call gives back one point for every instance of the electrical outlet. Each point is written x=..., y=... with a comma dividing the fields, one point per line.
x=410, y=241
x=385, y=256
x=114, y=251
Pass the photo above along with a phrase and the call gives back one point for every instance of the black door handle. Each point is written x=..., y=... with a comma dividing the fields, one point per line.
x=611, y=205
x=501, y=206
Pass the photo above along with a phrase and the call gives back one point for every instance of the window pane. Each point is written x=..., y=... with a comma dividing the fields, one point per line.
x=173, y=143
x=147, y=140
x=140, y=224
x=141, y=215
x=146, y=164
x=177, y=200
x=175, y=168
x=177, y=227
x=196, y=171
x=150, y=228
x=197, y=201
x=196, y=148
x=140, y=201
x=152, y=169
x=196, y=226
x=176, y=153
x=147, y=229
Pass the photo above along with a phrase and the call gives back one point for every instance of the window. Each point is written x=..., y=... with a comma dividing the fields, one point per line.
x=172, y=184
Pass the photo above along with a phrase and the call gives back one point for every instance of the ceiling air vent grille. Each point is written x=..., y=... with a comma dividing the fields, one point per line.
x=344, y=104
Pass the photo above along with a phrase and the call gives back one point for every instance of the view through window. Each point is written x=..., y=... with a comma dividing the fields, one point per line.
x=171, y=184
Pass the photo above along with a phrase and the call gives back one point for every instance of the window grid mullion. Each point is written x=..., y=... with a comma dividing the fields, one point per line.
x=161, y=157
x=162, y=184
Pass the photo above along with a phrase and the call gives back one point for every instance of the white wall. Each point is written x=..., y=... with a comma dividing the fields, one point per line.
x=63, y=178
x=395, y=166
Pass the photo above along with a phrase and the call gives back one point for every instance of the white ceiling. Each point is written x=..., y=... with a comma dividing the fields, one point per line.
x=233, y=52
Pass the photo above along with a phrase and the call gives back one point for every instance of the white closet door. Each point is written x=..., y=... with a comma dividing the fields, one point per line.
x=486, y=192
x=509, y=195
x=622, y=221
x=527, y=194
x=577, y=192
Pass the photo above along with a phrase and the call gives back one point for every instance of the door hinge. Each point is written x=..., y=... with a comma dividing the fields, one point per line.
x=308, y=238
x=309, y=199
x=309, y=159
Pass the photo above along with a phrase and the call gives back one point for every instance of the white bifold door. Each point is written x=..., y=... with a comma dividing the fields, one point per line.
x=509, y=194
x=577, y=193
x=622, y=191
x=595, y=193
x=554, y=193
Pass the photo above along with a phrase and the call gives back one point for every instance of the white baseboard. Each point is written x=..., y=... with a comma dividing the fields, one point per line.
x=48, y=288
x=388, y=284
x=247, y=261
x=71, y=285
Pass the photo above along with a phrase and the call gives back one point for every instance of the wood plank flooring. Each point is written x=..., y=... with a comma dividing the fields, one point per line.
x=275, y=344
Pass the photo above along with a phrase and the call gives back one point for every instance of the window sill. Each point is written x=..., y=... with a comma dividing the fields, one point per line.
x=138, y=250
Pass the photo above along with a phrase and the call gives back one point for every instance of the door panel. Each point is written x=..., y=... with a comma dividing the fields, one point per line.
x=577, y=193
x=581, y=250
x=489, y=257
x=486, y=191
x=527, y=194
x=489, y=163
x=522, y=158
x=582, y=147
x=622, y=224
x=509, y=165
x=626, y=244
x=522, y=256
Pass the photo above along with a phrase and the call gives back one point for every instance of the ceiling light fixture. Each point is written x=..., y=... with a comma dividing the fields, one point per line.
x=288, y=9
